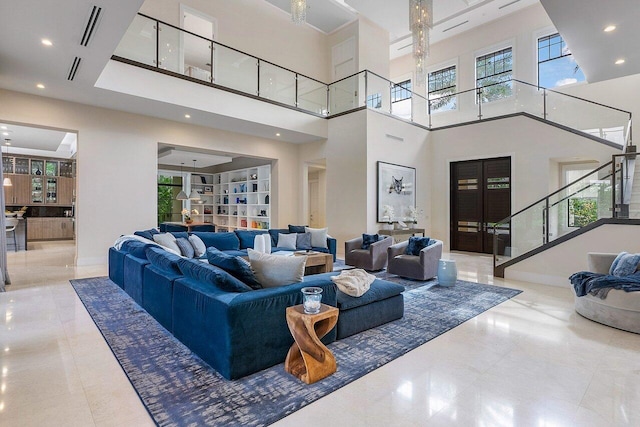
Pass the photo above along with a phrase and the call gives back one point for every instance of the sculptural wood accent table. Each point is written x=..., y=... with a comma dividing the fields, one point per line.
x=308, y=358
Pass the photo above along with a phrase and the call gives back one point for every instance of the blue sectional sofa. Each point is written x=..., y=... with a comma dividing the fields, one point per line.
x=235, y=329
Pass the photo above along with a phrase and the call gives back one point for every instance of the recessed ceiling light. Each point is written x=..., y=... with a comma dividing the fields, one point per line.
x=277, y=134
x=5, y=133
x=7, y=143
x=47, y=42
x=187, y=116
x=620, y=61
x=40, y=86
x=609, y=28
x=4, y=127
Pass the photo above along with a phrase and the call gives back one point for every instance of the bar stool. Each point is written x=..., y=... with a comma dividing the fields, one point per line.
x=10, y=227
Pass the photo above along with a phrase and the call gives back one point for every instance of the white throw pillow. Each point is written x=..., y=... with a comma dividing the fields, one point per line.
x=272, y=271
x=318, y=237
x=287, y=241
x=167, y=240
x=198, y=245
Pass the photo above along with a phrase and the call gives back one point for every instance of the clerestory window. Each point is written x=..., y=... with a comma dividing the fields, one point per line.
x=556, y=65
x=441, y=89
x=494, y=72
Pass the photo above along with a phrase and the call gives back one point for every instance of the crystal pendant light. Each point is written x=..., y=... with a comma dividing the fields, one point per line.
x=420, y=22
x=194, y=195
x=299, y=11
x=181, y=195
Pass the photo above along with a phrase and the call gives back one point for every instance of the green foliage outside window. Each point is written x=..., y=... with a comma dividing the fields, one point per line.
x=582, y=211
x=168, y=188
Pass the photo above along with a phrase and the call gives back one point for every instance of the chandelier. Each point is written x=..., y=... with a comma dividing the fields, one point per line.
x=420, y=22
x=299, y=11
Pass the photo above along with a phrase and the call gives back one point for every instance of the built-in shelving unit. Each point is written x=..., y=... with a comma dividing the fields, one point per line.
x=240, y=198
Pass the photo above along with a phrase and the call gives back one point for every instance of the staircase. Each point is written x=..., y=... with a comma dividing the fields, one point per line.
x=605, y=195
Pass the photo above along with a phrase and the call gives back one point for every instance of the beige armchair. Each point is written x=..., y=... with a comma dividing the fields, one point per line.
x=422, y=267
x=374, y=258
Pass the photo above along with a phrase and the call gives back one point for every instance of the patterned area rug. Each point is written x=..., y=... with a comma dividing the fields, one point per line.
x=178, y=388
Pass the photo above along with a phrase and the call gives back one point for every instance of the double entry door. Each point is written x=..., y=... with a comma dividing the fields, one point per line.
x=480, y=197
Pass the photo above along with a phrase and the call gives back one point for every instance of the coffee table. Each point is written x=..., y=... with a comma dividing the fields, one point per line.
x=317, y=262
x=308, y=358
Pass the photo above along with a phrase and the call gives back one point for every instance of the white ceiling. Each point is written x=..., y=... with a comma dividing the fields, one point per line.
x=174, y=157
x=24, y=61
x=581, y=23
x=325, y=15
x=36, y=141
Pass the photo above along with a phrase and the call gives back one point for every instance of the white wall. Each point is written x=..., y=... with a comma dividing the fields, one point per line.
x=555, y=265
x=373, y=48
x=257, y=28
x=529, y=143
x=117, y=165
x=412, y=151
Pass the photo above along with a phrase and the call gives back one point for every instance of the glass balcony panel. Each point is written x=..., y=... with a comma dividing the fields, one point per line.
x=347, y=94
x=466, y=108
x=378, y=93
x=170, y=52
x=420, y=110
x=139, y=42
x=593, y=119
x=498, y=99
x=196, y=56
x=528, y=99
x=522, y=233
x=312, y=95
x=277, y=84
x=235, y=70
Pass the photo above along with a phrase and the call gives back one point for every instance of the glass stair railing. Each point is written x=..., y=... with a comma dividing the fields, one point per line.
x=604, y=193
x=159, y=46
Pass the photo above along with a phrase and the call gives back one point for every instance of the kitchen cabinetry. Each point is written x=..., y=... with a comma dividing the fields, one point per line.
x=50, y=229
x=65, y=191
x=18, y=193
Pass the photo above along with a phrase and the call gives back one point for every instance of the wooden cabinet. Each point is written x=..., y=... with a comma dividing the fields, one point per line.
x=50, y=229
x=65, y=191
x=19, y=193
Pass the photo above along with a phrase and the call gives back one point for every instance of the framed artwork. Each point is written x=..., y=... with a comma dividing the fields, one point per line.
x=396, y=191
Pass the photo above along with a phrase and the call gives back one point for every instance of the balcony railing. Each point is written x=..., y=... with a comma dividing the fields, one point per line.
x=604, y=193
x=154, y=44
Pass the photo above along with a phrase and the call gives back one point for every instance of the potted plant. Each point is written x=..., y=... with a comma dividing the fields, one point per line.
x=413, y=214
x=187, y=216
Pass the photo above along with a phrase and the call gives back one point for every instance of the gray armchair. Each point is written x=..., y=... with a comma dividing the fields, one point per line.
x=374, y=258
x=421, y=267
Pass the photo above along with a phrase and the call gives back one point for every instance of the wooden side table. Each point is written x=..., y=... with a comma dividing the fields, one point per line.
x=308, y=358
x=317, y=262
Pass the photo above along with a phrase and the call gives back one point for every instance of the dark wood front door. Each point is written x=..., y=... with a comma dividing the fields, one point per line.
x=480, y=197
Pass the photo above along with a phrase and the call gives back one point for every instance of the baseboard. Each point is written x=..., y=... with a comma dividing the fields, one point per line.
x=543, y=279
x=84, y=261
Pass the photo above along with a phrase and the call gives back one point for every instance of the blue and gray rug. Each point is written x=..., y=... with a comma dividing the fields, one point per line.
x=178, y=388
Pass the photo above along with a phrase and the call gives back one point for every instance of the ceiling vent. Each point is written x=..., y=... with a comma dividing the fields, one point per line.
x=508, y=4
x=455, y=26
x=74, y=69
x=90, y=28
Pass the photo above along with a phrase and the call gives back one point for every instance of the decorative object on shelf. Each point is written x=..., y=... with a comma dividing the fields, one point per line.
x=396, y=188
x=402, y=225
x=181, y=195
x=187, y=216
x=387, y=216
x=413, y=213
x=254, y=176
x=311, y=297
x=299, y=11
x=447, y=272
x=420, y=22
x=208, y=190
x=202, y=178
x=266, y=199
x=194, y=195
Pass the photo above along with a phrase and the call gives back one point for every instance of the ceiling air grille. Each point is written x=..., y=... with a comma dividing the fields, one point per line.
x=74, y=69
x=91, y=25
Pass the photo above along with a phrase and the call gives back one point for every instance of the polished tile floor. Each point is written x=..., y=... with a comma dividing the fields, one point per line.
x=531, y=361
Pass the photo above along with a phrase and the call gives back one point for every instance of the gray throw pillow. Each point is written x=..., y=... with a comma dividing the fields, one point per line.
x=287, y=241
x=303, y=241
x=186, y=249
x=198, y=245
x=276, y=270
x=167, y=240
x=318, y=237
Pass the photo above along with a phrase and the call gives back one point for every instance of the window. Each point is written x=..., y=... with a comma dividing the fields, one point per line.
x=441, y=89
x=374, y=101
x=556, y=66
x=401, y=91
x=401, y=99
x=169, y=185
x=494, y=72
